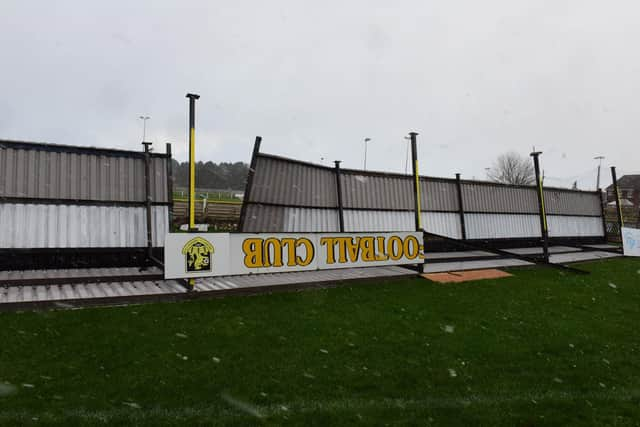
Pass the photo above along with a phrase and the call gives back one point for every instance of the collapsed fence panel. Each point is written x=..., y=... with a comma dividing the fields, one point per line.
x=290, y=195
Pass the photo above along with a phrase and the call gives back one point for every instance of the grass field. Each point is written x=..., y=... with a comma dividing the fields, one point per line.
x=542, y=348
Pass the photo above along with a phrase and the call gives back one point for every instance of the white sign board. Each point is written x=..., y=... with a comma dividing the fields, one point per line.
x=189, y=255
x=631, y=241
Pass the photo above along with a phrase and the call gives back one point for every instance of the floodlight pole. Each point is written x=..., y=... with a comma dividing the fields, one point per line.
x=599, y=167
x=618, y=204
x=543, y=214
x=366, y=140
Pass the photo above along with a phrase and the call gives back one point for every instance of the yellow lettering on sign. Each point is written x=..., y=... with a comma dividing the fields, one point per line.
x=252, y=249
x=367, y=249
x=272, y=245
x=381, y=254
x=394, y=248
x=411, y=247
x=309, y=251
x=290, y=244
x=342, y=249
x=329, y=242
x=353, y=248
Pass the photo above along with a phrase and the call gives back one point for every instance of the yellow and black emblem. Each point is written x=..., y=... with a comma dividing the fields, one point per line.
x=197, y=255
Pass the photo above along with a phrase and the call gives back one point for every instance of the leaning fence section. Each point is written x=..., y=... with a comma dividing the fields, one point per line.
x=61, y=198
x=287, y=195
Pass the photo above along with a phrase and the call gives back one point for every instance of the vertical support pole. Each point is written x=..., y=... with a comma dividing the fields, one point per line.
x=603, y=202
x=463, y=228
x=169, y=185
x=618, y=204
x=543, y=214
x=147, y=192
x=339, y=193
x=247, y=189
x=416, y=193
x=192, y=159
x=416, y=180
x=192, y=169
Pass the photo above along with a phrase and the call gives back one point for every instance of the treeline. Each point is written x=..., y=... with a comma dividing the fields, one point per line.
x=221, y=176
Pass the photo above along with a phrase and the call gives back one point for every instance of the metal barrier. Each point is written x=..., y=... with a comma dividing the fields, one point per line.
x=287, y=195
x=56, y=200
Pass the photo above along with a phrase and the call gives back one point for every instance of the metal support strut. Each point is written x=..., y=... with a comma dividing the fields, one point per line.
x=544, y=229
x=192, y=169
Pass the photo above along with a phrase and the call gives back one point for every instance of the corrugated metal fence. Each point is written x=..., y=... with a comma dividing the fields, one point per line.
x=292, y=196
x=56, y=196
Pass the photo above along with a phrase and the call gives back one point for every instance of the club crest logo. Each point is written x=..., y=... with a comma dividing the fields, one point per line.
x=198, y=254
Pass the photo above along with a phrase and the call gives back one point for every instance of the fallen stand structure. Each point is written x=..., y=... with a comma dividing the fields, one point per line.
x=287, y=195
x=87, y=226
x=543, y=224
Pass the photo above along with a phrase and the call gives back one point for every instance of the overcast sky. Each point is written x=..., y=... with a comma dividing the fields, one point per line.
x=474, y=78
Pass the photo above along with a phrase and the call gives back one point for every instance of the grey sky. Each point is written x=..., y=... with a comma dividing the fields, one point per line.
x=474, y=78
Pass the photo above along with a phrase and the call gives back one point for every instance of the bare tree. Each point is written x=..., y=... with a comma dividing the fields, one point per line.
x=512, y=168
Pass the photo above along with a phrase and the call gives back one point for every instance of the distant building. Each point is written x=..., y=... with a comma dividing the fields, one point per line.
x=629, y=187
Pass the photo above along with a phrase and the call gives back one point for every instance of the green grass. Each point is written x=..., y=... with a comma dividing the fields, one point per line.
x=545, y=347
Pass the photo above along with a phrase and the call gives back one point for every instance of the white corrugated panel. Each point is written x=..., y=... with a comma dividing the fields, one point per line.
x=501, y=226
x=369, y=220
x=443, y=223
x=574, y=226
x=378, y=220
x=74, y=226
x=300, y=220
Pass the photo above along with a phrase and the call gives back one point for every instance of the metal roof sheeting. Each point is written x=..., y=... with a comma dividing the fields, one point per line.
x=438, y=195
x=46, y=174
x=485, y=197
x=311, y=220
x=264, y=218
x=376, y=191
x=572, y=203
x=306, y=196
x=74, y=226
x=574, y=226
x=366, y=221
x=443, y=223
x=501, y=226
x=291, y=183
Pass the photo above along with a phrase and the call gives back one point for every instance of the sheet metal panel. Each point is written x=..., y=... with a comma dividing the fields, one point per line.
x=376, y=191
x=291, y=183
x=572, y=203
x=574, y=226
x=485, y=197
x=62, y=175
x=378, y=221
x=73, y=226
x=501, y=226
x=262, y=218
x=365, y=191
x=438, y=195
x=300, y=220
x=443, y=223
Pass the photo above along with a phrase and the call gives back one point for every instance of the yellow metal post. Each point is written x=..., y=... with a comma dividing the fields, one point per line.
x=192, y=166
